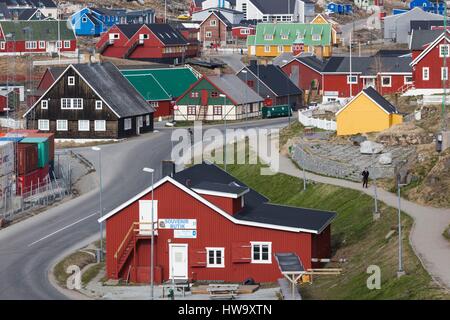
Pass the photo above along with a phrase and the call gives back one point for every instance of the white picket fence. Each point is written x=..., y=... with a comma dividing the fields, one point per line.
x=306, y=119
x=12, y=123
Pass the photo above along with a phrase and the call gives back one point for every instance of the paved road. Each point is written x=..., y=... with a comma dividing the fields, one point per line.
x=29, y=249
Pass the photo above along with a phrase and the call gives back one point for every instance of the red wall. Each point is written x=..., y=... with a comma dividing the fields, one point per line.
x=305, y=76
x=3, y=103
x=19, y=46
x=236, y=32
x=164, y=109
x=397, y=82
x=338, y=82
x=46, y=81
x=229, y=205
x=214, y=230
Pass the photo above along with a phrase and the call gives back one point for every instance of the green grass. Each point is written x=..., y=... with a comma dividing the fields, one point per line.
x=354, y=236
x=446, y=233
x=91, y=273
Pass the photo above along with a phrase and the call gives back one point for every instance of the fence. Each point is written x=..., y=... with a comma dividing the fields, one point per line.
x=12, y=123
x=306, y=119
x=431, y=100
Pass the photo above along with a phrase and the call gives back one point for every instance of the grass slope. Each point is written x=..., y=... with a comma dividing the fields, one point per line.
x=355, y=237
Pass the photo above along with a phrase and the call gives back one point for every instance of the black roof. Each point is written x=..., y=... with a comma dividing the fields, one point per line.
x=104, y=11
x=129, y=30
x=274, y=78
x=223, y=18
x=4, y=11
x=313, y=62
x=368, y=65
x=231, y=188
x=391, y=53
x=421, y=38
x=275, y=7
x=167, y=34
x=380, y=100
x=93, y=19
x=26, y=14
x=257, y=208
x=289, y=262
x=425, y=24
x=114, y=88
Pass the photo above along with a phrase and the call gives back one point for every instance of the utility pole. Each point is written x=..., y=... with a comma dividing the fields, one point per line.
x=445, y=79
x=400, y=271
x=351, y=78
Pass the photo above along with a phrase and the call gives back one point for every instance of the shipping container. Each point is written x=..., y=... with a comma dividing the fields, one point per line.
x=43, y=149
x=29, y=182
x=23, y=132
x=11, y=139
x=6, y=157
x=27, y=158
x=43, y=173
x=51, y=142
x=276, y=111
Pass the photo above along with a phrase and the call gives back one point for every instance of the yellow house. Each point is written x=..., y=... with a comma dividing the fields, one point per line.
x=320, y=19
x=367, y=112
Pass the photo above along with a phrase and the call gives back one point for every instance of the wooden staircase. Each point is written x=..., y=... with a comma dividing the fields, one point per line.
x=108, y=43
x=131, y=49
x=202, y=113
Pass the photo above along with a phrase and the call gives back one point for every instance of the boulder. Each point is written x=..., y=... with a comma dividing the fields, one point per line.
x=385, y=158
x=357, y=140
x=370, y=147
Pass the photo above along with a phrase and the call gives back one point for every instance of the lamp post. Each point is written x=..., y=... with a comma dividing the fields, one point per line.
x=400, y=271
x=152, y=249
x=289, y=95
x=246, y=83
x=225, y=122
x=375, y=213
x=99, y=150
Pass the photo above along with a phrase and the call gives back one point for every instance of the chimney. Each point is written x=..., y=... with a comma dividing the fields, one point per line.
x=168, y=168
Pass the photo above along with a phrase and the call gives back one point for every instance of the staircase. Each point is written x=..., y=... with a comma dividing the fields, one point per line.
x=406, y=87
x=108, y=43
x=131, y=49
x=202, y=113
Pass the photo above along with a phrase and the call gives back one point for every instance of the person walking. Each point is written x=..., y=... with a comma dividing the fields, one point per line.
x=365, y=175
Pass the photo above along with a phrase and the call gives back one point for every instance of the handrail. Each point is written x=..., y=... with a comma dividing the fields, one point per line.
x=124, y=239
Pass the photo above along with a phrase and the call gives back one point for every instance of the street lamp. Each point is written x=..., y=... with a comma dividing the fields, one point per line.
x=99, y=150
x=225, y=121
x=246, y=83
x=375, y=213
x=400, y=271
x=152, y=250
x=289, y=95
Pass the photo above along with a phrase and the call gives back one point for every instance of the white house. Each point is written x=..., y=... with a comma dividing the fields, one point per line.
x=272, y=10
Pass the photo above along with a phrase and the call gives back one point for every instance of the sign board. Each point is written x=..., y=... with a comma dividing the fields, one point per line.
x=268, y=102
x=185, y=234
x=177, y=223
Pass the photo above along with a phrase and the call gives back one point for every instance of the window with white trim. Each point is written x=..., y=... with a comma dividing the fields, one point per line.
x=352, y=79
x=100, y=125
x=208, y=34
x=215, y=257
x=268, y=37
x=30, y=45
x=147, y=120
x=280, y=49
x=217, y=110
x=213, y=23
x=444, y=73
x=98, y=105
x=444, y=50
x=386, y=81
x=59, y=44
x=266, y=48
x=127, y=124
x=114, y=36
x=41, y=44
x=144, y=36
x=61, y=125
x=408, y=80
x=43, y=125
x=316, y=37
x=83, y=125
x=84, y=19
x=191, y=110
x=44, y=104
x=71, y=103
x=154, y=104
x=71, y=81
x=261, y=252
x=284, y=37
x=66, y=44
x=2, y=45
x=425, y=73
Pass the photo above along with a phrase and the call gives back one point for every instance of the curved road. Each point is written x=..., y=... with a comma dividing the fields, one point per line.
x=28, y=249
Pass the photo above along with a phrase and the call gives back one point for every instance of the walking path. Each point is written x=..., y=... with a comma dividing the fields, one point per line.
x=429, y=223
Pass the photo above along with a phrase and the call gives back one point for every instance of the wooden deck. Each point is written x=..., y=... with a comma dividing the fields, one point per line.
x=203, y=289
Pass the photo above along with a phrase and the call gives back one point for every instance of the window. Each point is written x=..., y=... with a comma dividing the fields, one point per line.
x=41, y=44
x=43, y=125
x=144, y=36
x=66, y=44
x=127, y=125
x=280, y=49
x=217, y=110
x=261, y=252
x=30, y=45
x=266, y=48
x=147, y=120
x=352, y=79
x=208, y=34
x=191, y=110
x=71, y=81
x=83, y=125
x=214, y=94
x=114, y=36
x=316, y=37
x=44, y=104
x=84, y=19
x=444, y=50
x=284, y=37
x=268, y=37
x=154, y=104
x=444, y=73
x=2, y=45
x=408, y=80
x=100, y=125
x=215, y=257
x=59, y=44
x=98, y=105
x=61, y=125
x=213, y=23
x=194, y=94
x=425, y=73
x=71, y=103
x=386, y=81
x=245, y=31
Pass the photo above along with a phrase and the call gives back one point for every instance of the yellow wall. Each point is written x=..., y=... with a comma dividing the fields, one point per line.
x=362, y=115
x=319, y=51
x=320, y=20
x=396, y=119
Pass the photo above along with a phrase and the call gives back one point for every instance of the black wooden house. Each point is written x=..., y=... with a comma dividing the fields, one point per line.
x=91, y=101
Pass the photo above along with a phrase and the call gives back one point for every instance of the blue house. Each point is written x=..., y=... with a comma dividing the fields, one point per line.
x=93, y=21
x=428, y=6
x=339, y=8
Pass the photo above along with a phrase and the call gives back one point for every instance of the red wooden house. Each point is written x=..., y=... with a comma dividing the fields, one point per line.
x=429, y=48
x=305, y=72
x=46, y=37
x=210, y=226
x=242, y=31
x=148, y=42
x=215, y=30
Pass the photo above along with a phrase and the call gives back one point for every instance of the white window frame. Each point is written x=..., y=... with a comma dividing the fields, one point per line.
x=114, y=36
x=268, y=37
x=144, y=36
x=260, y=244
x=66, y=44
x=215, y=264
x=349, y=79
x=213, y=23
x=84, y=19
x=405, y=81
x=98, y=104
x=42, y=44
x=147, y=120
x=425, y=73
x=80, y=128
x=2, y=45
x=31, y=45
x=100, y=125
x=154, y=104
x=280, y=49
x=60, y=126
x=44, y=125
x=58, y=44
x=386, y=85
x=71, y=80
x=316, y=37
x=208, y=34
x=441, y=46
x=444, y=74
x=127, y=124
x=267, y=49
x=44, y=104
x=71, y=105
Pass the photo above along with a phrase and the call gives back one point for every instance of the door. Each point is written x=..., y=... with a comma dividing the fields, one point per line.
x=51, y=47
x=369, y=82
x=178, y=261
x=145, y=217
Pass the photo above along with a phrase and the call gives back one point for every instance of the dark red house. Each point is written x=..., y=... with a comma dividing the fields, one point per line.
x=305, y=72
x=429, y=47
x=242, y=31
x=148, y=42
x=210, y=226
x=215, y=30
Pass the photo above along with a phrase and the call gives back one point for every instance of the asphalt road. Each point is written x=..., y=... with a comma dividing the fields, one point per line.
x=28, y=249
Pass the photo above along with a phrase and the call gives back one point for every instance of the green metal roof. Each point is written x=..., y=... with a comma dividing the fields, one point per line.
x=160, y=84
x=251, y=40
x=39, y=30
x=288, y=33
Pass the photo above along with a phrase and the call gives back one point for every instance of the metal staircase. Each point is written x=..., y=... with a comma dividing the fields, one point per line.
x=108, y=43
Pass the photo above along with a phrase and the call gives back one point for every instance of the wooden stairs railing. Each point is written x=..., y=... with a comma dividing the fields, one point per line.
x=202, y=112
x=406, y=87
x=108, y=43
x=131, y=49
